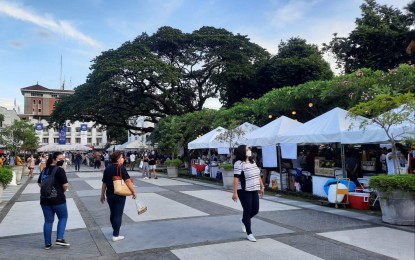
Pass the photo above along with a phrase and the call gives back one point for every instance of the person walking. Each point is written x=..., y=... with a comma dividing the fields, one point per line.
x=132, y=161
x=146, y=174
x=53, y=183
x=78, y=159
x=115, y=202
x=31, y=165
x=246, y=184
x=42, y=163
x=152, y=164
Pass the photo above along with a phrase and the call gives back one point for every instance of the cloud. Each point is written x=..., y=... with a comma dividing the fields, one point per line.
x=16, y=44
x=293, y=11
x=7, y=103
x=58, y=26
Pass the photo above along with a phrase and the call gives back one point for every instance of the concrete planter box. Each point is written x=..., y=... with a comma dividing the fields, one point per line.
x=172, y=171
x=19, y=171
x=227, y=177
x=398, y=207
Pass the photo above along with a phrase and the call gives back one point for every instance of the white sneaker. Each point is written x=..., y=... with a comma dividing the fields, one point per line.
x=117, y=238
x=251, y=238
x=243, y=226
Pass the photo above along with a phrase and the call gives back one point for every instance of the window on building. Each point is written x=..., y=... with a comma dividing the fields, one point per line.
x=40, y=102
x=68, y=140
x=68, y=129
x=89, y=140
x=78, y=140
x=45, y=140
x=56, y=140
x=78, y=129
x=99, y=140
x=34, y=102
x=40, y=110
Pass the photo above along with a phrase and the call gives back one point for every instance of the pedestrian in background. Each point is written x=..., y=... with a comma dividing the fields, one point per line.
x=152, y=164
x=55, y=203
x=31, y=165
x=132, y=161
x=78, y=159
x=247, y=182
x=116, y=203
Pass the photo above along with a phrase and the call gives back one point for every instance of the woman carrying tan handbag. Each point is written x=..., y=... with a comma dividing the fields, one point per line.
x=118, y=175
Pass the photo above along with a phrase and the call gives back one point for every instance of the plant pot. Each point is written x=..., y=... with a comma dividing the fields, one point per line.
x=227, y=177
x=172, y=171
x=398, y=207
x=18, y=170
x=1, y=192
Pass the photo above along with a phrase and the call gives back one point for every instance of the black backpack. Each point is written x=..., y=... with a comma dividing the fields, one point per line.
x=47, y=189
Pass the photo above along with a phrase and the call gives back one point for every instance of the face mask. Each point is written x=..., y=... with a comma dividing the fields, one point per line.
x=398, y=152
x=60, y=163
x=249, y=153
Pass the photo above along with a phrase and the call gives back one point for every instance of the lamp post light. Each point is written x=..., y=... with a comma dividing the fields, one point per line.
x=310, y=105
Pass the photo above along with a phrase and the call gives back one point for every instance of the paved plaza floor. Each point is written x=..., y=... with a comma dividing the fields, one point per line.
x=188, y=219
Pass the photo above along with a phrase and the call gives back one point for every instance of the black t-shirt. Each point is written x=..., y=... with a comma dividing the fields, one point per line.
x=110, y=172
x=152, y=160
x=60, y=180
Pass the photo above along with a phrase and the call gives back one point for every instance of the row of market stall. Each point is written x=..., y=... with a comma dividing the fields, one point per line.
x=285, y=134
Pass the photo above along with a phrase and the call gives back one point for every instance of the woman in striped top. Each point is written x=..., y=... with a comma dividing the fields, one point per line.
x=246, y=184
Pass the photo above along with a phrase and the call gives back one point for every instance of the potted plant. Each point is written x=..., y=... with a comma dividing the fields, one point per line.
x=397, y=197
x=6, y=177
x=227, y=175
x=396, y=192
x=173, y=167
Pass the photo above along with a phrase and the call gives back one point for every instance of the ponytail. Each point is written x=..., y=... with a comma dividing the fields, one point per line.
x=52, y=157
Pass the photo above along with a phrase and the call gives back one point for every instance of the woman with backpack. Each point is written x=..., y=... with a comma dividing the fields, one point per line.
x=247, y=182
x=53, y=183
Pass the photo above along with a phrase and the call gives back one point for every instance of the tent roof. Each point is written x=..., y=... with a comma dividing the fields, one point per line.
x=326, y=128
x=204, y=142
x=137, y=144
x=269, y=133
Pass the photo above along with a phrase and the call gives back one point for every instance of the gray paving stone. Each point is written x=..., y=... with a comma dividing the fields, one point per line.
x=169, y=233
x=311, y=220
x=80, y=185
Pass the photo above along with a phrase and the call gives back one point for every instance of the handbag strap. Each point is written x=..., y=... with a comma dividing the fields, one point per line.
x=119, y=171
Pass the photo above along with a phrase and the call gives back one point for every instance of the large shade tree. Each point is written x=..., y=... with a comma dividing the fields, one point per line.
x=379, y=41
x=167, y=73
x=297, y=62
x=19, y=136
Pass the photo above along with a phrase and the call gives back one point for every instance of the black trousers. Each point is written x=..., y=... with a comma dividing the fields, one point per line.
x=116, y=204
x=250, y=205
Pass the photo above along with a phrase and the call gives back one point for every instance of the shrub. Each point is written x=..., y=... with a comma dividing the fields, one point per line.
x=174, y=162
x=387, y=183
x=226, y=166
x=6, y=175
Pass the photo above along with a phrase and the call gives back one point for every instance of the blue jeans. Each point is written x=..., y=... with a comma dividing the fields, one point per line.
x=49, y=213
x=77, y=165
x=116, y=204
x=250, y=204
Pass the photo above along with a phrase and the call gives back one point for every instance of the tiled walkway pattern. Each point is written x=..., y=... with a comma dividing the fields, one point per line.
x=192, y=220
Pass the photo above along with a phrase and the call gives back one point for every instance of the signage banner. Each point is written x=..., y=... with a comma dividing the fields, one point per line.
x=84, y=127
x=62, y=135
x=39, y=126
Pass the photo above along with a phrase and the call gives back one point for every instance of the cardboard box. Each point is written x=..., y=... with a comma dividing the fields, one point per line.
x=329, y=172
x=318, y=171
x=317, y=161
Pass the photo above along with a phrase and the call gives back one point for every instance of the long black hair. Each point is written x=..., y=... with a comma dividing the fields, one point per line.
x=52, y=157
x=240, y=154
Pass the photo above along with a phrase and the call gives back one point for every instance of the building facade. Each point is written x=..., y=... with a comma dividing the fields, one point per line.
x=39, y=103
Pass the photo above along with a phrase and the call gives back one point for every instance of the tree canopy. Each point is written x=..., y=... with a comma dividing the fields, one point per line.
x=379, y=40
x=167, y=73
x=296, y=62
x=19, y=136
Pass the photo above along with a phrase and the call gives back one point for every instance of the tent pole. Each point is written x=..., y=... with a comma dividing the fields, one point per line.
x=343, y=159
x=279, y=163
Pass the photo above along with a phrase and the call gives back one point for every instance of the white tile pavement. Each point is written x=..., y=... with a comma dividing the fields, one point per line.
x=382, y=240
x=165, y=182
x=224, y=198
x=159, y=208
x=262, y=249
x=27, y=218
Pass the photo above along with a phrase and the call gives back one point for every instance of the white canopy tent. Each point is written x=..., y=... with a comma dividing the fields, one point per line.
x=63, y=147
x=137, y=144
x=270, y=133
x=326, y=128
x=205, y=141
x=246, y=128
x=115, y=147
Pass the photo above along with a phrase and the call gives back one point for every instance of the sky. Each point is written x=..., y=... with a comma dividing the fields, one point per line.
x=47, y=42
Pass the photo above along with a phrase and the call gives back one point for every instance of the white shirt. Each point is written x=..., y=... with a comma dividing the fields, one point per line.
x=132, y=157
x=390, y=163
x=252, y=175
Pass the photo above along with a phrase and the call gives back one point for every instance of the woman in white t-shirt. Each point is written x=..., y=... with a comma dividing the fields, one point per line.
x=247, y=182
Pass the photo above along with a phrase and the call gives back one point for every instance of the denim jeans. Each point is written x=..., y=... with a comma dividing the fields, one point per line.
x=77, y=165
x=250, y=204
x=49, y=212
x=116, y=204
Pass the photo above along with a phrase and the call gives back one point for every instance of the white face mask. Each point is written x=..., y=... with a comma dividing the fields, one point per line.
x=249, y=153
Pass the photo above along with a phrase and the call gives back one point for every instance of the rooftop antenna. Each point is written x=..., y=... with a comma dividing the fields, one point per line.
x=60, y=79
